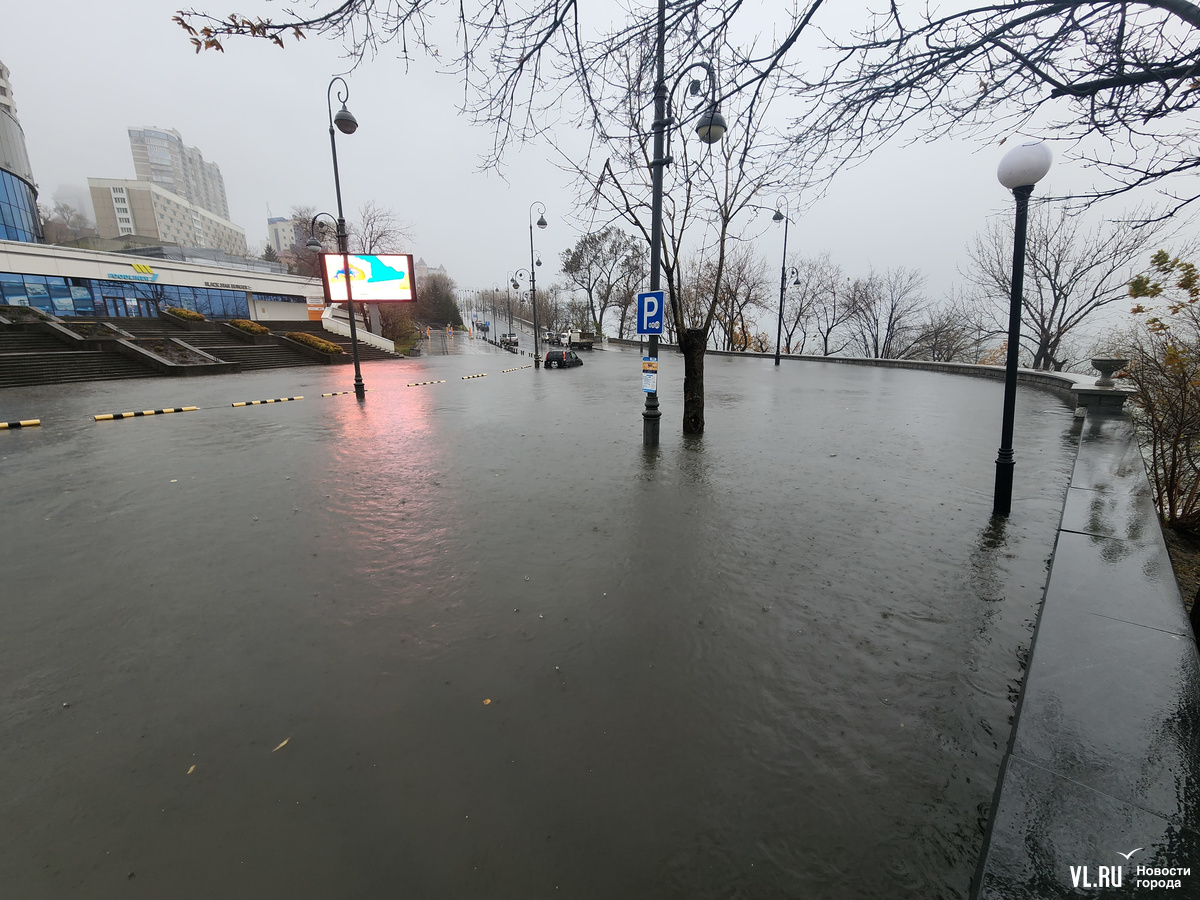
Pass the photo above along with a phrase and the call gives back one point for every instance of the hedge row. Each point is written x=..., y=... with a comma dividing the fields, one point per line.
x=315, y=342
x=249, y=327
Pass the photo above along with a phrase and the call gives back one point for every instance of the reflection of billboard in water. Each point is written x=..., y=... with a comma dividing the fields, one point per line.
x=387, y=278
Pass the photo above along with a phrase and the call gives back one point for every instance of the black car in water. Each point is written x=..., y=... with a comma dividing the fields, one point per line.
x=562, y=359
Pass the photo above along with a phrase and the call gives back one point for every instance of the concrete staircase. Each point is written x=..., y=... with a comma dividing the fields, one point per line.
x=215, y=341
x=32, y=357
x=29, y=357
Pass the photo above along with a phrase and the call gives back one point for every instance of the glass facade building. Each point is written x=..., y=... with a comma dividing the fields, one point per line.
x=61, y=296
x=18, y=210
x=18, y=197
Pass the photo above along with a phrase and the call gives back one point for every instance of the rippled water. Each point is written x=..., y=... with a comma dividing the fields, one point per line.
x=774, y=661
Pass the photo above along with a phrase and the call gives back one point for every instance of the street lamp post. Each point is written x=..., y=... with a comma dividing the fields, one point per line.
x=345, y=122
x=495, y=290
x=516, y=285
x=710, y=128
x=1019, y=170
x=541, y=223
x=515, y=279
x=781, y=216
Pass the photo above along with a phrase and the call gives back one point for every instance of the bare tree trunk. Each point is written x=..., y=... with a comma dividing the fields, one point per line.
x=693, y=344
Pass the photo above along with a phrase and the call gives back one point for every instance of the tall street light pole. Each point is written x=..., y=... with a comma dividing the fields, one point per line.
x=345, y=122
x=515, y=279
x=710, y=128
x=541, y=223
x=781, y=216
x=495, y=290
x=1019, y=170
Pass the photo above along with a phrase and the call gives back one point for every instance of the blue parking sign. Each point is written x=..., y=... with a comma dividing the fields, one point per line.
x=650, y=313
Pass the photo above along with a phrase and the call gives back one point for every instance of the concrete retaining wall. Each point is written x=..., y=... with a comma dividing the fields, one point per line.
x=1102, y=763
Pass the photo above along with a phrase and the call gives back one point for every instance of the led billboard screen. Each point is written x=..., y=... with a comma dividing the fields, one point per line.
x=387, y=278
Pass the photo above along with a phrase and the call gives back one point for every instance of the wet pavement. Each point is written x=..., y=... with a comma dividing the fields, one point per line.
x=511, y=653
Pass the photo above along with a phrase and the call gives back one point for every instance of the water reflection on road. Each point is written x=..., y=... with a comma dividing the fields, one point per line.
x=775, y=660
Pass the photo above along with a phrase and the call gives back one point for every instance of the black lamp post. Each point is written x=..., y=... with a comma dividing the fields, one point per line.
x=495, y=289
x=345, y=123
x=515, y=279
x=1021, y=168
x=781, y=216
x=541, y=223
x=710, y=128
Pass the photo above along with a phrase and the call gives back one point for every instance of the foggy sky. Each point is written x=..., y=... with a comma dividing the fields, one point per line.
x=259, y=112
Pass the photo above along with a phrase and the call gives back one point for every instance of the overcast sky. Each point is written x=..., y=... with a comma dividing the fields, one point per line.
x=83, y=72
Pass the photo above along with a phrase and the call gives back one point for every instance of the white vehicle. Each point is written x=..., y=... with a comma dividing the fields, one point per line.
x=580, y=340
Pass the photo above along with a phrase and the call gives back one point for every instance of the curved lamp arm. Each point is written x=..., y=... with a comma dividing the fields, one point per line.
x=710, y=127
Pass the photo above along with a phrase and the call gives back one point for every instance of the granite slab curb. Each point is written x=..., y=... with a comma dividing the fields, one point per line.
x=1104, y=756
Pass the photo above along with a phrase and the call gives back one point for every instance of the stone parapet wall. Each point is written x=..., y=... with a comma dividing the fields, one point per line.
x=1099, y=785
x=1065, y=384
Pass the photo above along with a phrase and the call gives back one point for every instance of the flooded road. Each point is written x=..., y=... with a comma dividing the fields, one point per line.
x=511, y=653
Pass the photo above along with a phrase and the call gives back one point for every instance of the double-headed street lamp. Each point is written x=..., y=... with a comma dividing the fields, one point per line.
x=710, y=128
x=781, y=216
x=345, y=123
x=1019, y=170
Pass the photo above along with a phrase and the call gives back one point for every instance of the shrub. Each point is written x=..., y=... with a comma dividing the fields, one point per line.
x=190, y=314
x=22, y=313
x=1164, y=354
x=311, y=340
x=249, y=327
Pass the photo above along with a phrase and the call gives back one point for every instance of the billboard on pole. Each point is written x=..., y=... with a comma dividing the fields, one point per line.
x=382, y=278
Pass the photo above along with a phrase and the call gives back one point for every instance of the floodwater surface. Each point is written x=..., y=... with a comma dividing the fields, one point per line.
x=471, y=640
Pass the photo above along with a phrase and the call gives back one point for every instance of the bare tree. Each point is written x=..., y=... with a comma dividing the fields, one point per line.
x=1116, y=69
x=1123, y=71
x=714, y=187
x=745, y=288
x=954, y=331
x=887, y=309
x=378, y=230
x=831, y=313
x=1071, y=272
x=300, y=260
x=817, y=279
x=63, y=222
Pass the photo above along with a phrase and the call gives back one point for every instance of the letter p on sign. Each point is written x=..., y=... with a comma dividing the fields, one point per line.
x=650, y=313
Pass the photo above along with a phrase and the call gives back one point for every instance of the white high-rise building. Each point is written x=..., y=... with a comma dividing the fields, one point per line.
x=6, y=98
x=159, y=155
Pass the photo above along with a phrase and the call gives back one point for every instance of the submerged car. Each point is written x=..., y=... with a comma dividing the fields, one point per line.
x=562, y=359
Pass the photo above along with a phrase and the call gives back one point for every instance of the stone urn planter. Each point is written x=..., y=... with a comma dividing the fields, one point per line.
x=1106, y=365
